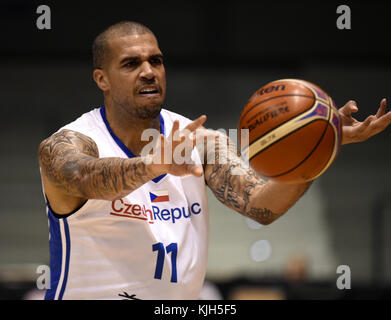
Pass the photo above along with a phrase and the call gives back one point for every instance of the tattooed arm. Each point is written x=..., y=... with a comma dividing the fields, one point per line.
x=240, y=188
x=72, y=172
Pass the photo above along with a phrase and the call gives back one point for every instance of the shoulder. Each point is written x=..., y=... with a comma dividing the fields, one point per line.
x=72, y=138
x=76, y=134
x=66, y=142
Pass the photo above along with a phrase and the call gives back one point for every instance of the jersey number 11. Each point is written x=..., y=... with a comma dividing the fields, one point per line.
x=173, y=248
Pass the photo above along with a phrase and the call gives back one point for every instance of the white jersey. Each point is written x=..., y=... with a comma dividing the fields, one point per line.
x=151, y=244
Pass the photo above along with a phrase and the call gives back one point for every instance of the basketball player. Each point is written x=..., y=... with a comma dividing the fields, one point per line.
x=125, y=226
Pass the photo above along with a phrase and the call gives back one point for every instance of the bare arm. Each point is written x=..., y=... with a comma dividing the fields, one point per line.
x=69, y=162
x=72, y=171
x=246, y=193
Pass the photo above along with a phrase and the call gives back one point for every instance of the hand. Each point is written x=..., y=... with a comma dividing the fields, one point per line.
x=356, y=131
x=175, y=151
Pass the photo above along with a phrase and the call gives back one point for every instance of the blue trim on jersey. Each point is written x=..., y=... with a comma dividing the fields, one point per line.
x=55, y=255
x=124, y=148
x=55, y=245
x=67, y=255
x=162, y=128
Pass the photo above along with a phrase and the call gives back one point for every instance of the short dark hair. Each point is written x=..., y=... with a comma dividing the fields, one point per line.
x=100, y=50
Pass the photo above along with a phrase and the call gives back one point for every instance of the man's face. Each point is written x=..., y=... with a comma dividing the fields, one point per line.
x=136, y=75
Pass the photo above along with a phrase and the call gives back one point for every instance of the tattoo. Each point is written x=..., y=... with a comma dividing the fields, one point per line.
x=265, y=215
x=235, y=191
x=70, y=161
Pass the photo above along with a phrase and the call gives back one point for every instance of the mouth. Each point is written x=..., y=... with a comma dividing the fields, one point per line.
x=149, y=91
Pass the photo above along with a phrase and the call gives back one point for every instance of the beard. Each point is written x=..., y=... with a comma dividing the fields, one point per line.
x=148, y=112
x=143, y=112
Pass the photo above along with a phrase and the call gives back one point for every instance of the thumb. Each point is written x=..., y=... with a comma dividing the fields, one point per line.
x=349, y=108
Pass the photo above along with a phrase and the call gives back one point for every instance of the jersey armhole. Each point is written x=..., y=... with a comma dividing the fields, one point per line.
x=66, y=215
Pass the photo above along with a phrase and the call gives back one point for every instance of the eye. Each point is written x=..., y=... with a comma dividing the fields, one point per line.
x=156, y=61
x=131, y=64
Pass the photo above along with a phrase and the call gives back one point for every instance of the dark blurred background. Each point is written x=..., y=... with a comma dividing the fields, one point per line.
x=217, y=53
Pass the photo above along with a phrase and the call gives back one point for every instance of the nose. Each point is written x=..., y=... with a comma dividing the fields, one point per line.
x=147, y=71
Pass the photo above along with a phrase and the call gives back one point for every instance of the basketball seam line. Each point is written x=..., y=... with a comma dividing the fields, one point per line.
x=312, y=151
x=284, y=95
x=265, y=133
x=283, y=123
x=283, y=137
x=335, y=146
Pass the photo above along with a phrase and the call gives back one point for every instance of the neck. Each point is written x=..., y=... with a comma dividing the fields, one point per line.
x=129, y=128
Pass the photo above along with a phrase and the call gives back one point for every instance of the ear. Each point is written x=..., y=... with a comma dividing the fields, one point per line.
x=101, y=80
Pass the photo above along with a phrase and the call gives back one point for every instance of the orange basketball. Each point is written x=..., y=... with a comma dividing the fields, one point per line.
x=294, y=131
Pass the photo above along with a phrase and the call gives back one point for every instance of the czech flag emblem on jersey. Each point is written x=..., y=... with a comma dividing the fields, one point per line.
x=159, y=196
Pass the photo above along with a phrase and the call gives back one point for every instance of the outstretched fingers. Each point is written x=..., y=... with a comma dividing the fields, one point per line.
x=382, y=109
x=368, y=120
x=192, y=127
x=196, y=123
x=383, y=121
x=175, y=128
x=349, y=108
x=373, y=125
